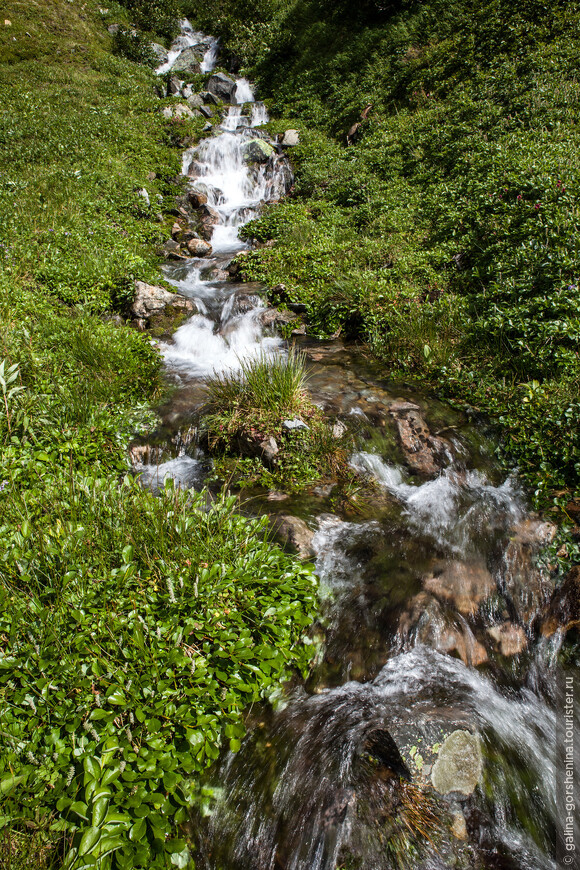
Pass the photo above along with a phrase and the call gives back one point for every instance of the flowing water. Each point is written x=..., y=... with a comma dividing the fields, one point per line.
x=430, y=596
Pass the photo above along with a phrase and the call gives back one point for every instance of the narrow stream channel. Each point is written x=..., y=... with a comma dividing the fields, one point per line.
x=431, y=598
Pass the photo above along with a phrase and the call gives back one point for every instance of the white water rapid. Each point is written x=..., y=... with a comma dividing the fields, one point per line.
x=224, y=331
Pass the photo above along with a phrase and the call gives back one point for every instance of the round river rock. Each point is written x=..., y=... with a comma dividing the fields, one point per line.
x=459, y=764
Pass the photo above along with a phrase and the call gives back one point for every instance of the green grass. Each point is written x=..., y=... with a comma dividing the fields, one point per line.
x=249, y=406
x=134, y=629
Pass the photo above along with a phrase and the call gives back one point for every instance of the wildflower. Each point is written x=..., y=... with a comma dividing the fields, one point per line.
x=70, y=775
x=171, y=591
x=122, y=766
x=129, y=735
x=30, y=757
x=98, y=699
x=129, y=684
x=537, y=205
x=131, y=718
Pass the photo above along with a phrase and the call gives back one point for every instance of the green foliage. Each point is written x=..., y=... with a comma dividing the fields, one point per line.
x=156, y=16
x=446, y=234
x=135, y=46
x=135, y=630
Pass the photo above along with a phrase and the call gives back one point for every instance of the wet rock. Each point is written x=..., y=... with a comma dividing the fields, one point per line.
x=222, y=87
x=199, y=248
x=295, y=532
x=176, y=230
x=534, y=533
x=171, y=247
x=526, y=588
x=159, y=52
x=510, y=638
x=458, y=825
x=157, y=308
x=463, y=584
x=425, y=621
x=189, y=60
x=276, y=495
x=564, y=607
x=459, y=764
x=424, y=453
x=379, y=744
x=257, y=151
x=208, y=218
x=206, y=111
x=274, y=317
x=324, y=491
x=196, y=198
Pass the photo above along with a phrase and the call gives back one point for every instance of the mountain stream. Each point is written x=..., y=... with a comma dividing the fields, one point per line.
x=430, y=599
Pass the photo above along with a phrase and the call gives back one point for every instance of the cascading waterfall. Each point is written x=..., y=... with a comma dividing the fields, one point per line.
x=301, y=794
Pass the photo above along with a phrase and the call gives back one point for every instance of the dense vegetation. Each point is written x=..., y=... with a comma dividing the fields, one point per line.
x=446, y=233
x=133, y=629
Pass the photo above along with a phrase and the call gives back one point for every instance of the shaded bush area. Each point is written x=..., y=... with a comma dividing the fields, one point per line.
x=446, y=232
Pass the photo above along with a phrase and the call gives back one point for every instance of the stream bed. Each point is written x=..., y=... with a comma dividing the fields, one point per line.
x=432, y=594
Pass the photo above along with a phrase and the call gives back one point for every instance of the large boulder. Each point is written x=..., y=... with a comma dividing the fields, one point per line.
x=159, y=52
x=158, y=309
x=180, y=110
x=290, y=138
x=222, y=87
x=189, y=60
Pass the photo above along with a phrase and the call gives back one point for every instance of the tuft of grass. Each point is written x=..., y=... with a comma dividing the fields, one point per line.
x=270, y=383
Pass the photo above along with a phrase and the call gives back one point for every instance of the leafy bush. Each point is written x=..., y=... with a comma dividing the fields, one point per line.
x=132, y=44
x=135, y=630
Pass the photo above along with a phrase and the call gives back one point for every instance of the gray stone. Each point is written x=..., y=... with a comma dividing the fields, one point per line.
x=459, y=764
x=291, y=138
x=189, y=60
x=187, y=92
x=174, y=86
x=290, y=425
x=257, y=151
x=295, y=532
x=222, y=87
x=206, y=111
x=269, y=449
x=150, y=301
x=159, y=52
x=181, y=110
x=207, y=97
x=144, y=195
x=113, y=28
x=339, y=429
x=195, y=101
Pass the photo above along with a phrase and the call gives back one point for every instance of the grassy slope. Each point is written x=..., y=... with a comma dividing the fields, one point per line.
x=133, y=629
x=447, y=236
